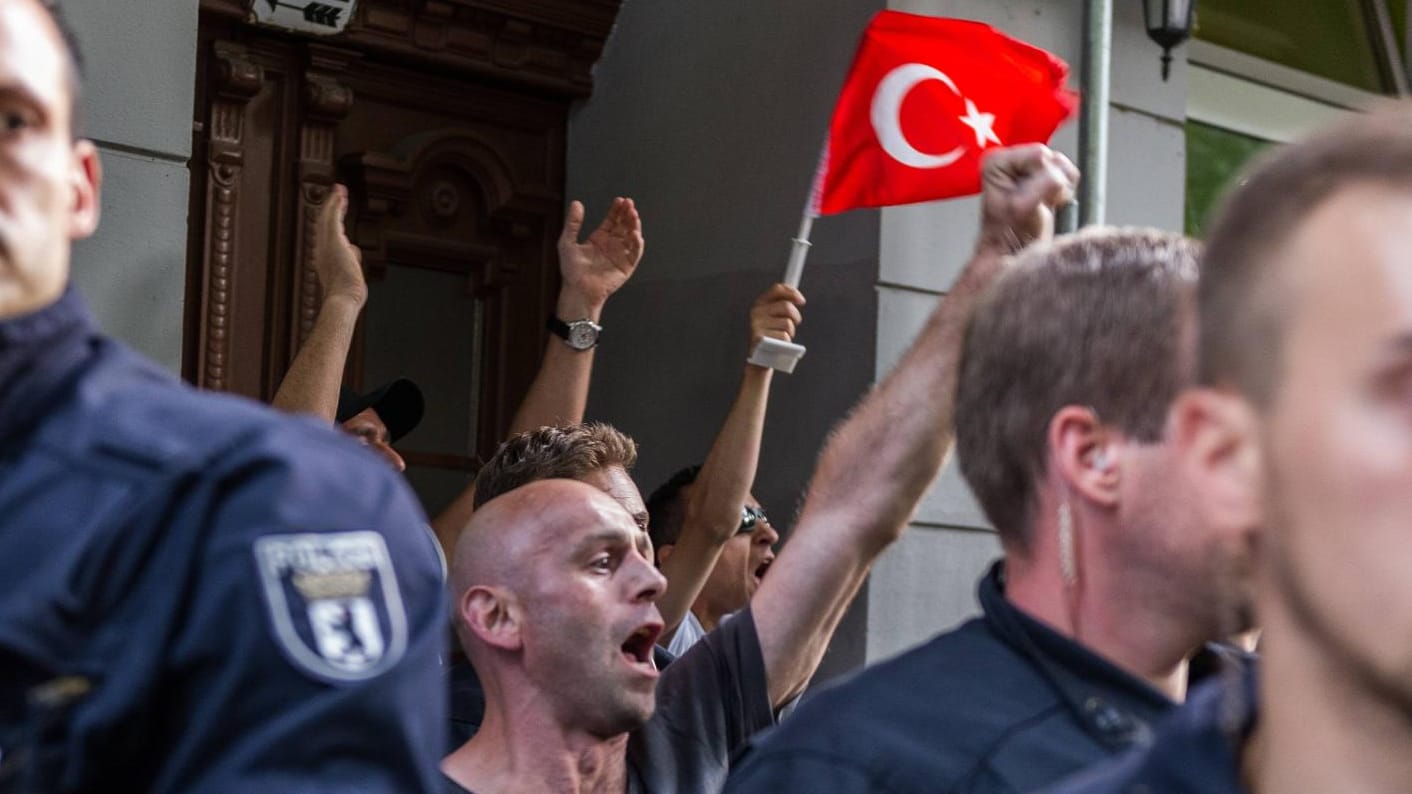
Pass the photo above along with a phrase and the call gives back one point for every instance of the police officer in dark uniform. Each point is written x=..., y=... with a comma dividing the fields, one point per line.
x=1109, y=581
x=199, y=595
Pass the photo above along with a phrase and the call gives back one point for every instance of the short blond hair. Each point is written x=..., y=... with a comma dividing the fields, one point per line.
x=567, y=452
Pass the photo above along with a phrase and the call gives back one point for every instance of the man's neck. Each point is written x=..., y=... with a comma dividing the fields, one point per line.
x=707, y=614
x=1150, y=644
x=529, y=754
x=1322, y=727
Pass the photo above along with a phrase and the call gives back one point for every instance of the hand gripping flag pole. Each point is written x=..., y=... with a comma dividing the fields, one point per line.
x=778, y=354
x=976, y=88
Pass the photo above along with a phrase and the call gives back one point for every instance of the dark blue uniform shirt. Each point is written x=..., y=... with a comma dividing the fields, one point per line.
x=1001, y=704
x=198, y=594
x=1194, y=751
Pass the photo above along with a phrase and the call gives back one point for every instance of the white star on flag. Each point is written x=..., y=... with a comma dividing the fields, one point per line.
x=981, y=123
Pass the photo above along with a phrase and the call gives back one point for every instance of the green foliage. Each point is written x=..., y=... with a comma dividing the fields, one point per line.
x=1214, y=157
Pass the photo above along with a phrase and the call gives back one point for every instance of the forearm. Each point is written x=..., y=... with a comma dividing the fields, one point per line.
x=880, y=462
x=312, y=383
x=712, y=511
x=872, y=473
x=447, y=524
x=559, y=393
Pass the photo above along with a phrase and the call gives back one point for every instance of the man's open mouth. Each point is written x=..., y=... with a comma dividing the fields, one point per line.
x=764, y=566
x=638, y=647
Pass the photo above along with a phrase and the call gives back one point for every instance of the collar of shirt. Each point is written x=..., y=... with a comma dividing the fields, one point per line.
x=1114, y=706
x=38, y=351
x=1196, y=751
x=1199, y=748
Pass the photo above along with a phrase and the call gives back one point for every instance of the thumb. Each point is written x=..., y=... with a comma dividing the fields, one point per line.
x=340, y=203
x=330, y=212
x=573, y=222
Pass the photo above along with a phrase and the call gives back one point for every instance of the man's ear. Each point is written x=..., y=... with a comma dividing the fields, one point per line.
x=1217, y=445
x=86, y=181
x=493, y=616
x=1085, y=454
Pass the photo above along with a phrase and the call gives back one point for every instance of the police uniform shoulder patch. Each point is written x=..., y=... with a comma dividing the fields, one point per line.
x=333, y=602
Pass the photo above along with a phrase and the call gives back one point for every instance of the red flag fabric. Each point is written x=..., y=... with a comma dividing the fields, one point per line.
x=924, y=99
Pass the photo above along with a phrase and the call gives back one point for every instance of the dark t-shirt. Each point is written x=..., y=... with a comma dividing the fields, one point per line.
x=709, y=702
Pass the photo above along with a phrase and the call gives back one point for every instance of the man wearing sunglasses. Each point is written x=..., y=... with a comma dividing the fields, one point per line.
x=738, y=571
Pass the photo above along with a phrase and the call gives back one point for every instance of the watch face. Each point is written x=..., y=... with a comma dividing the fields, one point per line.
x=582, y=335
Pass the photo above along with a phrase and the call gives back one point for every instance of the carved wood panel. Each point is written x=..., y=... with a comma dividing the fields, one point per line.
x=327, y=101
x=235, y=79
x=447, y=119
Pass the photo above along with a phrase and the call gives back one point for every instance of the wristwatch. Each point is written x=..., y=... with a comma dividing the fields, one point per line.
x=579, y=334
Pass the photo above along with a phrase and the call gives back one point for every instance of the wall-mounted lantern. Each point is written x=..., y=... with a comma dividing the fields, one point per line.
x=1168, y=24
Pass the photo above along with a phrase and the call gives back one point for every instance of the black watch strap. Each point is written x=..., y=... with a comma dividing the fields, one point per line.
x=578, y=335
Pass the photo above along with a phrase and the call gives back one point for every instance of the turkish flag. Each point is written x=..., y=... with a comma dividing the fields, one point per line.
x=924, y=99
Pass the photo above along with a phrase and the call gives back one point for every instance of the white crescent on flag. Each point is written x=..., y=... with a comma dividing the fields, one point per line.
x=887, y=123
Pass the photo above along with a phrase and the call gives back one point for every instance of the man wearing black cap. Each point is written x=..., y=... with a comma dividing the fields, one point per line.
x=379, y=417
x=382, y=416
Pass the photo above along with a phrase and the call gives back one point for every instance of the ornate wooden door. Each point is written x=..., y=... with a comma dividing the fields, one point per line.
x=447, y=119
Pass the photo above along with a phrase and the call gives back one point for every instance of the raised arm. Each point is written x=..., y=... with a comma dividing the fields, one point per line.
x=712, y=511
x=312, y=382
x=591, y=272
x=877, y=465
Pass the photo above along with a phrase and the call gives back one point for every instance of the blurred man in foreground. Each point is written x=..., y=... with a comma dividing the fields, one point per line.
x=1306, y=418
x=199, y=595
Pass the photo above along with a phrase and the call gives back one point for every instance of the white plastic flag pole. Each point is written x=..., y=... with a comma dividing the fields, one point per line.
x=775, y=353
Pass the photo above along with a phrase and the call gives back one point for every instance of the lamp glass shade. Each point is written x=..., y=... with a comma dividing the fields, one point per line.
x=1168, y=21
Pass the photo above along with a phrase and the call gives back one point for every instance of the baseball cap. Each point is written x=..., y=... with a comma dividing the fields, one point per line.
x=398, y=403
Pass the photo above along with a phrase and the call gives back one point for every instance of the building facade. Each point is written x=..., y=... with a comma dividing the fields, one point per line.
x=464, y=125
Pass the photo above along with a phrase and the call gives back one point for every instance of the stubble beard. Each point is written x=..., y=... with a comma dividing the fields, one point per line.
x=614, y=711
x=599, y=699
x=1324, y=632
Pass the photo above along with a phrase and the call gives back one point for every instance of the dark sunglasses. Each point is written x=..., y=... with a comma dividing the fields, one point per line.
x=749, y=517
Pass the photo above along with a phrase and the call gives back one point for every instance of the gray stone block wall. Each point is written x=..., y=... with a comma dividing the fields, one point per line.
x=137, y=105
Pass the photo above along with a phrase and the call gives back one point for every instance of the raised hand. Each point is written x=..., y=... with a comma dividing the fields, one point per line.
x=338, y=262
x=311, y=384
x=594, y=269
x=776, y=314
x=1021, y=186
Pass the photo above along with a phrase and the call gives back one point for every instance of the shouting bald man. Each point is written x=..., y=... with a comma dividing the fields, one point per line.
x=555, y=589
x=558, y=616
